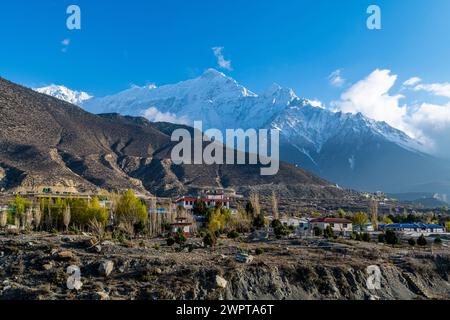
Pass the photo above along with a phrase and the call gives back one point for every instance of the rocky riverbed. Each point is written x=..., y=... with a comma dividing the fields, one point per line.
x=44, y=266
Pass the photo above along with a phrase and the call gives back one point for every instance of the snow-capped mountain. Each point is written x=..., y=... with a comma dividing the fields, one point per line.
x=348, y=149
x=65, y=94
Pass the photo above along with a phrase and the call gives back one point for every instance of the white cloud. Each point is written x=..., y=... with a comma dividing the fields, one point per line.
x=432, y=125
x=316, y=103
x=426, y=122
x=438, y=89
x=221, y=61
x=65, y=43
x=154, y=115
x=336, y=78
x=371, y=97
x=412, y=82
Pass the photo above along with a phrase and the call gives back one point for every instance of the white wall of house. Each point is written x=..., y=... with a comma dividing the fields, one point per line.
x=336, y=227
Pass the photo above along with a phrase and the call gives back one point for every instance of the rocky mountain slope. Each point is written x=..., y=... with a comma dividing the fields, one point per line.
x=349, y=149
x=47, y=142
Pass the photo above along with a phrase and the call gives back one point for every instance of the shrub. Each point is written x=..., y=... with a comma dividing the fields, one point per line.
x=259, y=251
x=233, y=234
x=422, y=241
x=210, y=239
x=328, y=233
x=412, y=242
x=365, y=237
x=317, y=231
x=438, y=241
x=170, y=241
x=391, y=237
x=260, y=221
x=180, y=238
x=381, y=238
x=280, y=229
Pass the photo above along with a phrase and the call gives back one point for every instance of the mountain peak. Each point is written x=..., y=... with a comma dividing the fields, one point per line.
x=213, y=73
x=65, y=94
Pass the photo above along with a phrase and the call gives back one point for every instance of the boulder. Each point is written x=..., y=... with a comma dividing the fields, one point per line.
x=221, y=283
x=105, y=268
x=66, y=255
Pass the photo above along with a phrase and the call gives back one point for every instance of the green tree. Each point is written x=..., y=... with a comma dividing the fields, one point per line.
x=200, y=208
x=96, y=212
x=20, y=205
x=328, y=232
x=218, y=219
x=259, y=221
x=387, y=220
x=341, y=213
x=360, y=219
x=130, y=209
x=391, y=237
x=317, y=231
x=249, y=209
x=280, y=229
x=180, y=238
x=210, y=239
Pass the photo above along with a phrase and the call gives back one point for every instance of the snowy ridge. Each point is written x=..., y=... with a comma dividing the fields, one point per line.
x=65, y=94
x=221, y=102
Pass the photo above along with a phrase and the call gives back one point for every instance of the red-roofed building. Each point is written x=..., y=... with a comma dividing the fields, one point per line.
x=338, y=225
x=211, y=199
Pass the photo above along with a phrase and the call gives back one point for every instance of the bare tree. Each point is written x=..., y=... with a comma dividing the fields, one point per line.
x=66, y=217
x=254, y=200
x=275, y=212
x=28, y=218
x=373, y=208
x=3, y=219
x=98, y=229
x=37, y=217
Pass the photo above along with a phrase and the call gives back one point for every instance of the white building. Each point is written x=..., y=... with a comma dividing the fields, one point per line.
x=338, y=225
x=211, y=200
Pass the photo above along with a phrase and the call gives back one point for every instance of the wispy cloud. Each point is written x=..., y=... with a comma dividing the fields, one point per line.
x=221, y=61
x=65, y=43
x=437, y=89
x=412, y=81
x=336, y=79
x=154, y=115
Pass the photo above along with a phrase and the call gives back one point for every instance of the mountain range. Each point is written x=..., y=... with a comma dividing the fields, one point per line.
x=348, y=149
x=47, y=142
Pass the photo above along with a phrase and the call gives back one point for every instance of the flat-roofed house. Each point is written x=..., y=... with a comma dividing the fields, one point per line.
x=211, y=200
x=338, y=225
x=421, y=228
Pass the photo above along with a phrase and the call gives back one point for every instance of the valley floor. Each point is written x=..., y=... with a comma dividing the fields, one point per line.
x=34, y=267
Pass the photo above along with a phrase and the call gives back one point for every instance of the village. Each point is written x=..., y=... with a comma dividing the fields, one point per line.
x=56, y=245
x=215, y=213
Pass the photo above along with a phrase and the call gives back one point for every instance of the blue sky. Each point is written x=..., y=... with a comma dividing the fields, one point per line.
x=294, y=43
